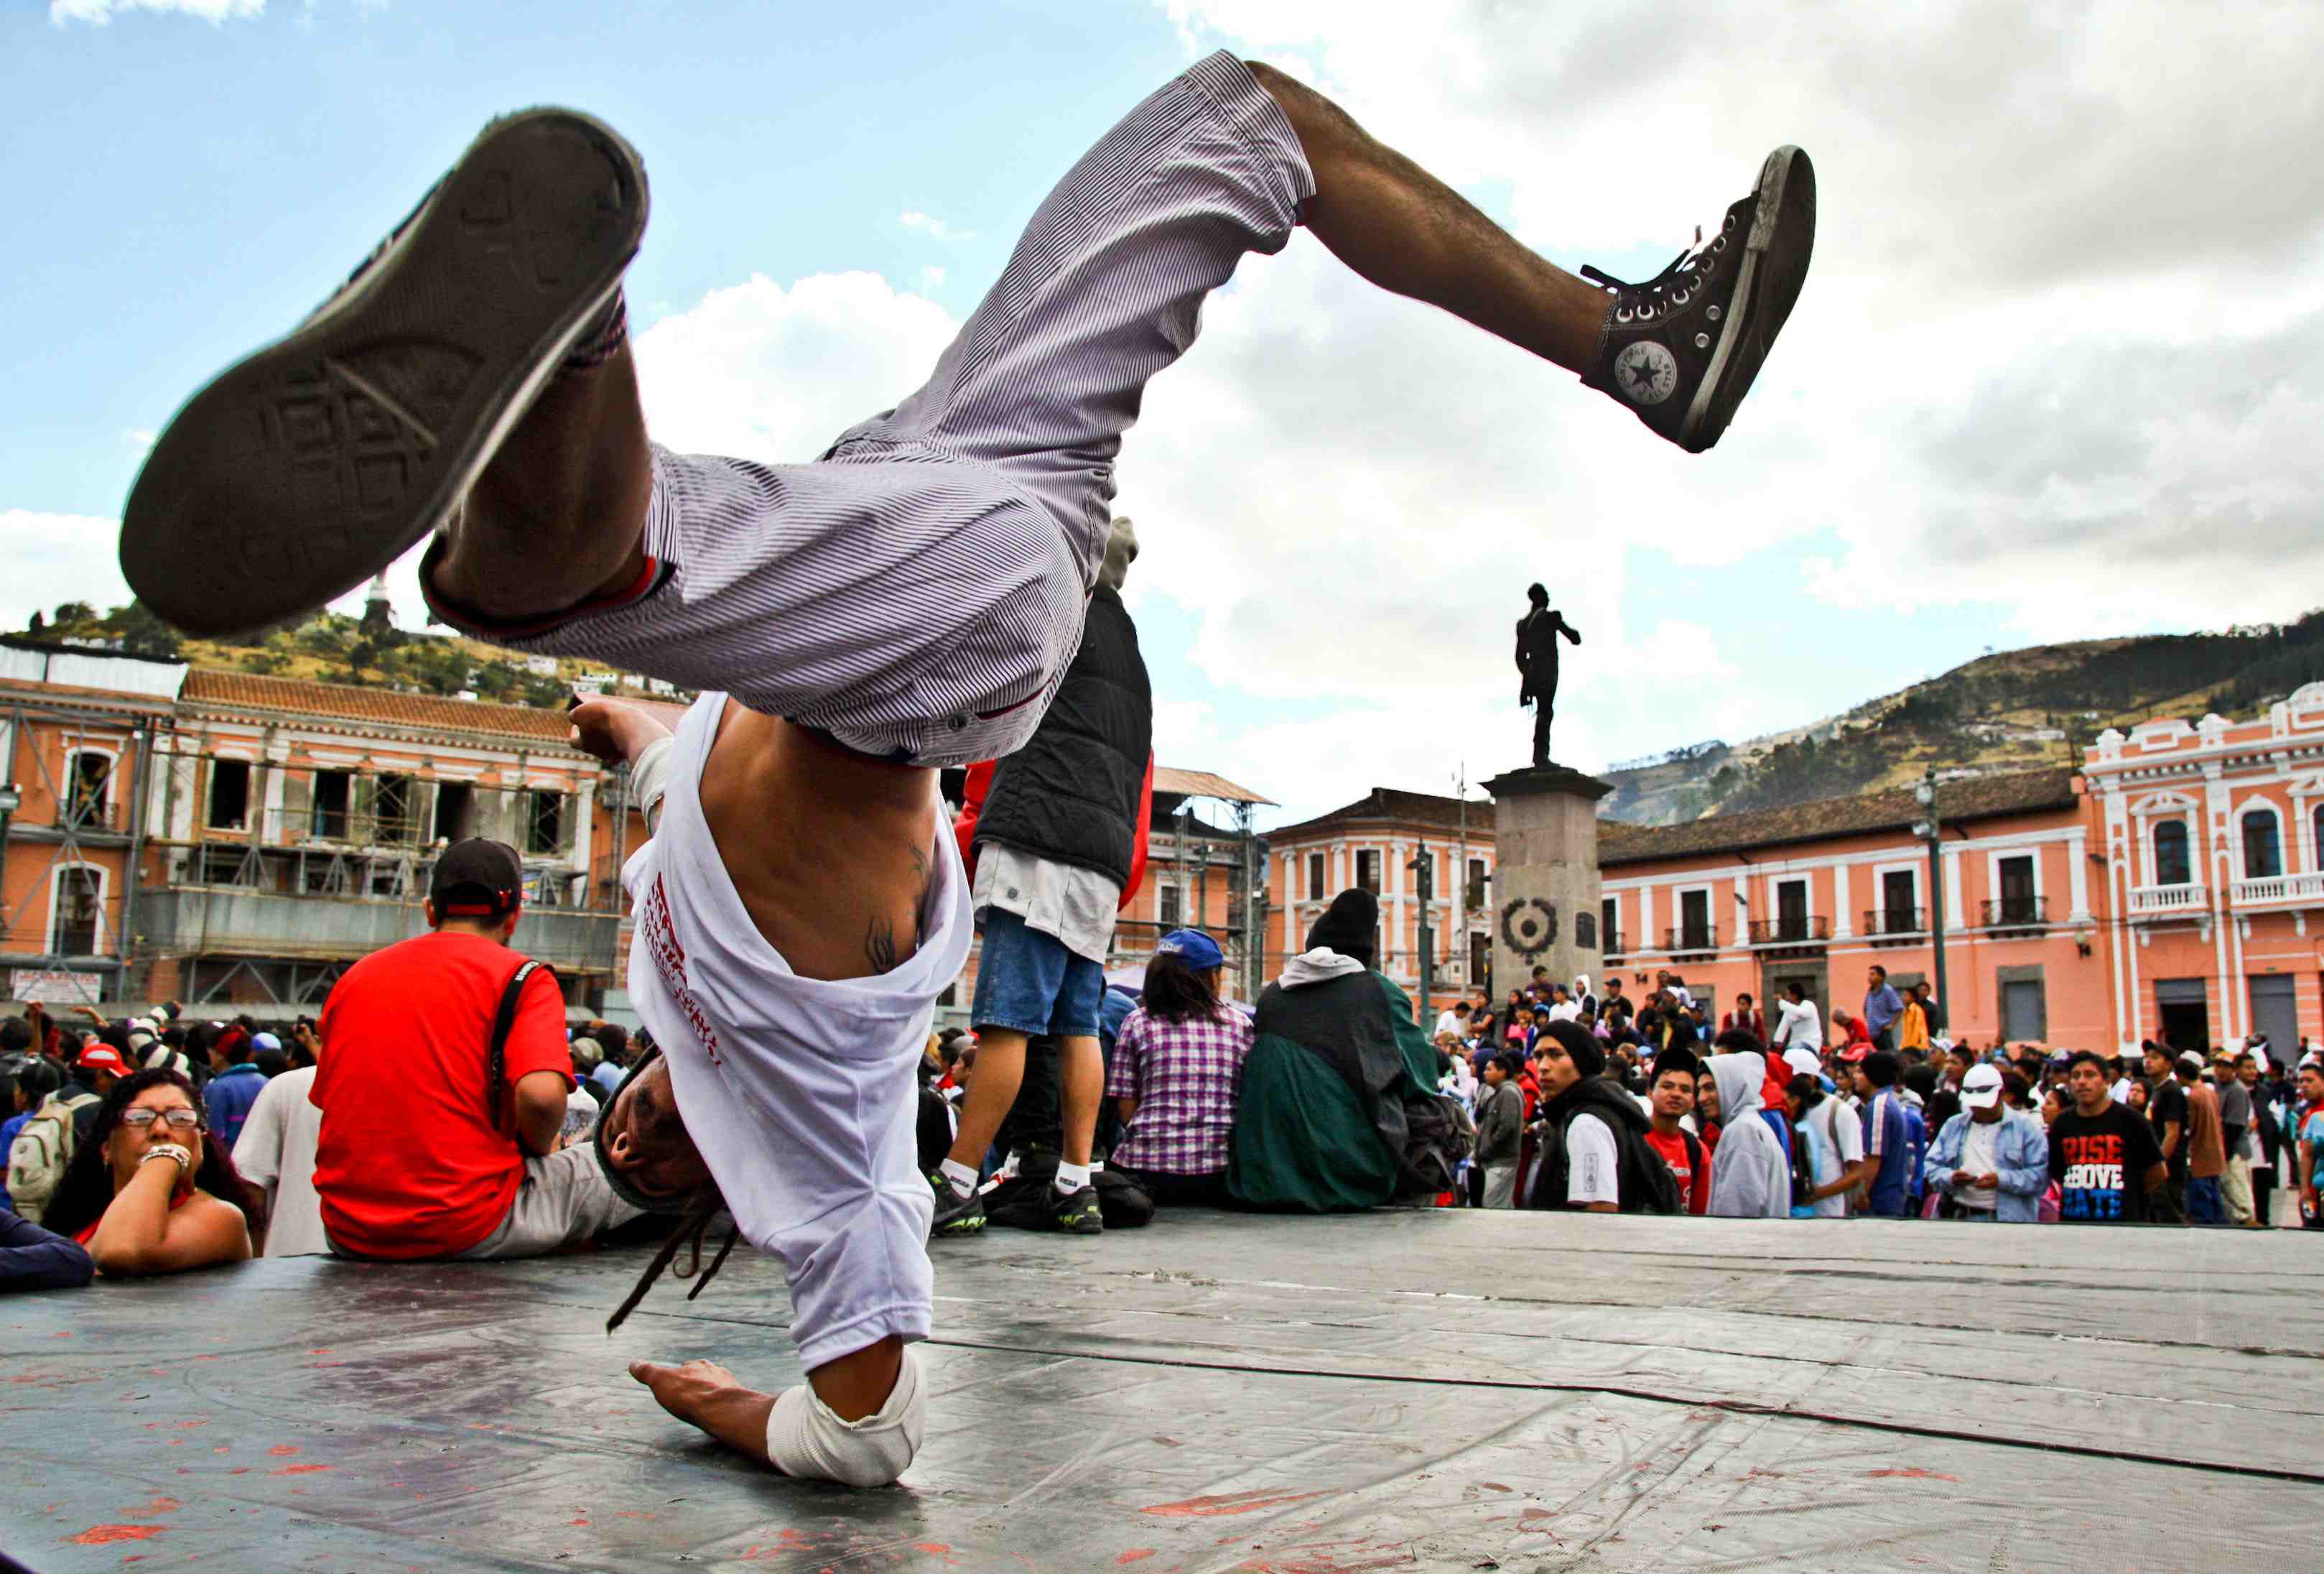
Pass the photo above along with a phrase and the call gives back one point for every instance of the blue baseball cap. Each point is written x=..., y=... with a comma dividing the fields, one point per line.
x=1192, y=946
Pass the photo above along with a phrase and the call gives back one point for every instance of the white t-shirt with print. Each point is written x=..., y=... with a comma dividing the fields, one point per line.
x=1592, y=1162
x=799, y=1092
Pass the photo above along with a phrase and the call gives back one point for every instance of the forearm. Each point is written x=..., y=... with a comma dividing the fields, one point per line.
x=648, y=777
x=737, y=1417
x=32, y=1258
x=133, y=1228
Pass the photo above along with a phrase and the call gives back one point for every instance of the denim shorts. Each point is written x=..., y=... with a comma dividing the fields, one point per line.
x=1029, y=981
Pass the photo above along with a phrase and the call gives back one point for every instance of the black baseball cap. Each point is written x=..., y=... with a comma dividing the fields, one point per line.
x=477, y=878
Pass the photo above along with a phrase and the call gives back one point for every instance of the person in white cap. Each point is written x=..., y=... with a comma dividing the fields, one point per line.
x=1990, y=1162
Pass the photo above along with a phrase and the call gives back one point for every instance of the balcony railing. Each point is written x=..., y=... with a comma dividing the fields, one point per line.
x=1896, y=920
x=2302, y=888
x=2018, y=912
x=1690, y=938
x=183, y=921
x=2169, y=901
x=1614, y=945
x=1799, y=930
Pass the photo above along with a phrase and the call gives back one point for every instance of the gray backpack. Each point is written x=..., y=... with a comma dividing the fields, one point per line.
x=42, y=1149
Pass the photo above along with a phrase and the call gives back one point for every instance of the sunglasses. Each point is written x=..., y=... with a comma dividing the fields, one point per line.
x=140, y=1118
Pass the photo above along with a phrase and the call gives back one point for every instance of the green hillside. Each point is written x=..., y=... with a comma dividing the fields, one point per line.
x=2013, y=710
x=331, y=647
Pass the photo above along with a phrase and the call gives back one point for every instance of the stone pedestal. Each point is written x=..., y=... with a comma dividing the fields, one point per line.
x=1545, y=902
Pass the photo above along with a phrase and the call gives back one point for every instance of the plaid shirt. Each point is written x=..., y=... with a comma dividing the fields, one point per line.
x=1187, y=1077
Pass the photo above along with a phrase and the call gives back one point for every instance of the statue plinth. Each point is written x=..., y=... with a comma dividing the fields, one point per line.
x=1545, y=894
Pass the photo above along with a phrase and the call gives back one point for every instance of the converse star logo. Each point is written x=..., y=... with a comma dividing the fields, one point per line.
x=1645, y=372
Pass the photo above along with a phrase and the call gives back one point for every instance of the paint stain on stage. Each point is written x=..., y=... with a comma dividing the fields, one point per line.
x=1230, y=1503
x=99, y=1535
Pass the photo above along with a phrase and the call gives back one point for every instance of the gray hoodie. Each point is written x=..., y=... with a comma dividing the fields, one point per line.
x=1748, y=1176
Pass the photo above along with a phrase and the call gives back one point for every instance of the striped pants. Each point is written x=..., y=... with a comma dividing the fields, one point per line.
x=917, y=593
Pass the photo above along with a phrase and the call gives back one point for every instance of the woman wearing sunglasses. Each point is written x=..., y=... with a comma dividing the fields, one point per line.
x=147, y=1192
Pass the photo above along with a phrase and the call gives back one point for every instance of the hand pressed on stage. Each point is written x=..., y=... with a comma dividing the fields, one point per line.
x=704, y=1394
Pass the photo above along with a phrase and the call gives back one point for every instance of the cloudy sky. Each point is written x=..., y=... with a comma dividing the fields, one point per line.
x=2059, y=369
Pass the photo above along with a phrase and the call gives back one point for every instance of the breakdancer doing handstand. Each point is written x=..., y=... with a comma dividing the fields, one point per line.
x=907, y=601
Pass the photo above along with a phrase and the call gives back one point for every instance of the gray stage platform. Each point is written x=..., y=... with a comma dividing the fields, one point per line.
x=1309, y=1397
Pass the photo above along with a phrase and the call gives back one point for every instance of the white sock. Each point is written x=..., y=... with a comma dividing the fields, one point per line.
x=1072, y=1177
x=963, y=1179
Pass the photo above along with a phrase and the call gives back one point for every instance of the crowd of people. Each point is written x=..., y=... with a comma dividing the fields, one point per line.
x=1883, y=1113
x=158, y=1143
x=163, y=1142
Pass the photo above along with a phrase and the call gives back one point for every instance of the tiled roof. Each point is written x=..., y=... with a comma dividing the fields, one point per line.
x=1893, y=809
x=222, y=689
x=1201, y=784
x=1393, y=804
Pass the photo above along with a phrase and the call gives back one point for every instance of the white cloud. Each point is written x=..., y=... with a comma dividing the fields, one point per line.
x=98, y=13
x=765, y=372
x=934, y=228
x=54, y=558
x=2057, y=351
x=138, y=438
x=932, y=277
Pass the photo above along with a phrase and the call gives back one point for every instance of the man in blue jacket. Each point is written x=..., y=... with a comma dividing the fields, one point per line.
x=1990, y=1162
x=1882, y=1007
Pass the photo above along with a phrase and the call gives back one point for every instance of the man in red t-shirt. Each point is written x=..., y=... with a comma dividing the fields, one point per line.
x=1671, y=1096
x=423, y=1154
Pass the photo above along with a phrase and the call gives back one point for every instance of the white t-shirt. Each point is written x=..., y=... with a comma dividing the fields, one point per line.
x=797, y=1091
x=1592, y=1164
x=1446, y=1023
x=1839, y=1143
x=1800, y=1025
x=276, y=1152
x=2121, y=1090
x=1977, y=1159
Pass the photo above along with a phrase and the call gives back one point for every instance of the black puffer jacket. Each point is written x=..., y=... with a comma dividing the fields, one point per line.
x=1071, y=794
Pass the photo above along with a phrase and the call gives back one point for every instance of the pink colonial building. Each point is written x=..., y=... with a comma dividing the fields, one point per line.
x=1818, y=893
x=1374, y=843
x=2213, y=840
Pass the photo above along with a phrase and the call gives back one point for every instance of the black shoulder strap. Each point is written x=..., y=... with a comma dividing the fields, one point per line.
x=504, y=1020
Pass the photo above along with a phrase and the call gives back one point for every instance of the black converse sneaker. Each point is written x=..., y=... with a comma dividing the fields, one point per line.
x=312, y=465
x=1682, y=349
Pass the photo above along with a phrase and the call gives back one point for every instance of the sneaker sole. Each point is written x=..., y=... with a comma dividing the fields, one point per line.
x=314, y=463
x=1774, y=268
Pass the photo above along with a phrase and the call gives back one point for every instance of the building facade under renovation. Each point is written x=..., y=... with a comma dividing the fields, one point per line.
x=220, y=837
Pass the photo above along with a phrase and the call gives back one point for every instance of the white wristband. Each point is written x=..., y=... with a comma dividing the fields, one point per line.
x=806, y=1438
x=169, y=1151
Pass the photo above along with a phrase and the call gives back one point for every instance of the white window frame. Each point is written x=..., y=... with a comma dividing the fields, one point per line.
x=1915, y=868
x=1995, y=859
x=56, y=905
x=2185, y=819
x=1710, y=889
x=112, y=778
x=1775, y=884
x=2257, y=805
x=1172, y=886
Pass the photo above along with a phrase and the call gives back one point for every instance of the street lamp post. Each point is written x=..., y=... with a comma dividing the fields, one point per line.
x=1931, y=830
x=1423, y=888
x=11, y=800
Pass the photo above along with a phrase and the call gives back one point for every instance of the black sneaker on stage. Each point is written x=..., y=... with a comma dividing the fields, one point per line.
x=954, y=1216
x=312, y=465
x=1076, y=1212
x=1682, y=349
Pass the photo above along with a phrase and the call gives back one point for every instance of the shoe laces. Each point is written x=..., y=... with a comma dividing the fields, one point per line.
x=1668, y=291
